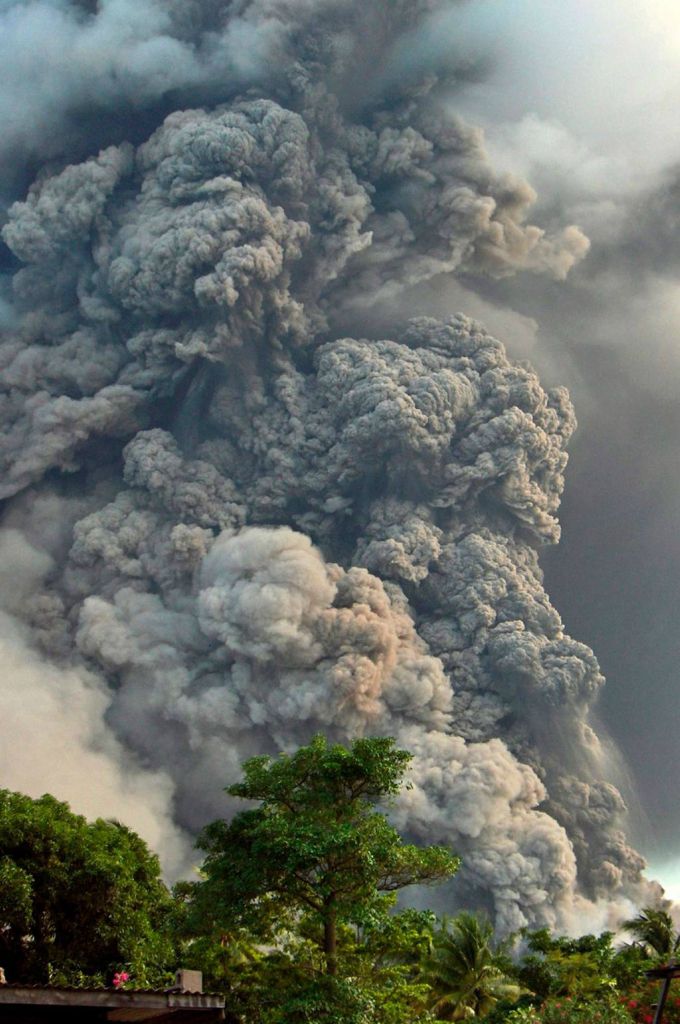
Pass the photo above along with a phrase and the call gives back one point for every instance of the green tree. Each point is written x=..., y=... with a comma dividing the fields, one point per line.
x=77, y=899
x=628, y=966
x=467, y=972
x=404, y=939
x=315, y=845
x=654, y=930
x=308, y=867
x=581, y=969
x=285, y=980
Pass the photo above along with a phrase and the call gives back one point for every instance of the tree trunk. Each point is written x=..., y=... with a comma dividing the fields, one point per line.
x=330, y=939
x=42, y=933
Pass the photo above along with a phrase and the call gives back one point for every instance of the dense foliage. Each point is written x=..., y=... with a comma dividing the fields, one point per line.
x=77, y=899
x=467, y=972
x=295, y=918
x=315, y=845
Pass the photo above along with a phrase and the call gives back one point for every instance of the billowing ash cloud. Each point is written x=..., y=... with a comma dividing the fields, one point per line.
x=62, y=743
x=252, y=527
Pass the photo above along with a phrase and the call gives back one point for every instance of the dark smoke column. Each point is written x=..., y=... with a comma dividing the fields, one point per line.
x=261, y=529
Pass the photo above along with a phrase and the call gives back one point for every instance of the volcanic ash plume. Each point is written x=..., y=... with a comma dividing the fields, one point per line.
x=245, y=528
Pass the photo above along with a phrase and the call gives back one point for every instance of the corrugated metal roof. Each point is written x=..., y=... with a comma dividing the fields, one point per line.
x=131, y=1005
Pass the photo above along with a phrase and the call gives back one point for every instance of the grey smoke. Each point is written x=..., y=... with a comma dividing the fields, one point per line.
x=63, y=743
x=607, y=158
x=255, y=527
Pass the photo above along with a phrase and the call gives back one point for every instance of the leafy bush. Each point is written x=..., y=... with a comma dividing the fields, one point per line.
x=641, y=1005
x=570, y=1011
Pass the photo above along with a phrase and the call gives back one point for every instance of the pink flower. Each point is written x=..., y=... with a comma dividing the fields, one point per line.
x=119, y=978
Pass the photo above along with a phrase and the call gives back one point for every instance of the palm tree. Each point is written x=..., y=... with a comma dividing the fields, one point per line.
x=654, y=930
x=466, y=971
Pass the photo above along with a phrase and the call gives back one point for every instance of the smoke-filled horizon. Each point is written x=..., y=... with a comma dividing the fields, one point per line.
x=248, y=494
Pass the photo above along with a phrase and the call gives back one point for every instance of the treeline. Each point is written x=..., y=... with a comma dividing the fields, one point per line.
x=294, y=914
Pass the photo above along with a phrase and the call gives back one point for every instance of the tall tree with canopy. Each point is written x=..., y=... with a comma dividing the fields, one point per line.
x=316, y=844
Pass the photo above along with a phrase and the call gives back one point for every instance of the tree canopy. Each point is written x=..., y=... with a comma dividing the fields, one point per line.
x=77, y=899
x=316, y=844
